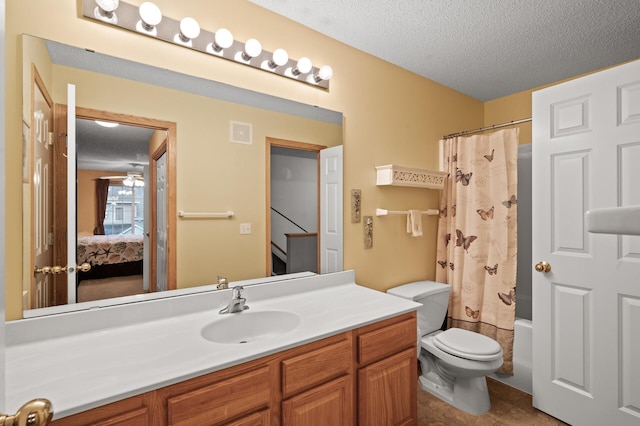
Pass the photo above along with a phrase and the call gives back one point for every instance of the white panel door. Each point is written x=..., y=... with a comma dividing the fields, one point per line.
x=71, y=194
x=42, y=196
x=331, y=249
x=161, y=223
x=586, y=309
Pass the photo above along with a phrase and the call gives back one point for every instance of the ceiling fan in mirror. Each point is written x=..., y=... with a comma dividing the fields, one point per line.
x=130, y=179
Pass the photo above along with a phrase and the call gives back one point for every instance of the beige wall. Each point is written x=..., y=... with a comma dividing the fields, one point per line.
x=517, y=106
x=390, y=116
x=510, y=108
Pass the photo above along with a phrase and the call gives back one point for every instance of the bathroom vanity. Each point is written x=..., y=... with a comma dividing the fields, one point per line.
x=350, y=358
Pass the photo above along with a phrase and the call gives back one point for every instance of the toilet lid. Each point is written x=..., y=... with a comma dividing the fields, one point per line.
x=467, y=344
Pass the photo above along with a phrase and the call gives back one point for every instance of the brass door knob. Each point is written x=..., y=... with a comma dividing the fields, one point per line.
x=55, y=270
x=34, y=413
x=85, y=267
x=543, y=266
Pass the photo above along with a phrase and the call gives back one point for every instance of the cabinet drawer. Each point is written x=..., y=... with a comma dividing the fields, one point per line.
x=316, y=367
x=126, y=412
x=261, y=418
x=386, y=341
x=133, y=418
x=222, y=401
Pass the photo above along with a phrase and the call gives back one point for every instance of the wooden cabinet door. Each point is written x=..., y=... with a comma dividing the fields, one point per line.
x=329, y=404
x=387, y=391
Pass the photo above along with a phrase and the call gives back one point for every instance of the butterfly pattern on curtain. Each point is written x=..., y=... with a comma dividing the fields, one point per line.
x=477, y=235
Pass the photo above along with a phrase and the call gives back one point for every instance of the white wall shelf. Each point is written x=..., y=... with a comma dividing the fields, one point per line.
x=393, y=175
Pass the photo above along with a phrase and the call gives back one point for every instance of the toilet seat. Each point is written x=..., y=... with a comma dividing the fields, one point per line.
x=467, y=344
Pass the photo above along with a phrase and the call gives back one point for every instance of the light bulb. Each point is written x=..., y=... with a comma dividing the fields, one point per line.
x=189, y=29
x=252, y=48
x=279, y=58
x=150, y=15
x=302, y=67
x=106, y=123
x=108, y=5
x=105, y=11
x=325, y=73
x=223, y=39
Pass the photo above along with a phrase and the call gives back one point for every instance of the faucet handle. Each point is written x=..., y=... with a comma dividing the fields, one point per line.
x=223, y=283
x=237, y=292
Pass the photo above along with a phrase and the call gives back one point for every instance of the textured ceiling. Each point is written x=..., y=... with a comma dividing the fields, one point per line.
x=484, y=48
x=119, y=149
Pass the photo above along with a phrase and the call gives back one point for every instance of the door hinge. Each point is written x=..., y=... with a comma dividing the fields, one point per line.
x=50, y=136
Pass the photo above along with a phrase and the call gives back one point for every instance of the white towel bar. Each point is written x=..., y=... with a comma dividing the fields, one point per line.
x=205, y=215
x=384, y=212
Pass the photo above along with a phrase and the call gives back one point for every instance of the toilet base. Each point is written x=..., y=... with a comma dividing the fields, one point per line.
x=470, y=395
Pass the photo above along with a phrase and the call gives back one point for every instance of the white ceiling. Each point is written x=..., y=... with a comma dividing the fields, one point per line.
x=484, y=48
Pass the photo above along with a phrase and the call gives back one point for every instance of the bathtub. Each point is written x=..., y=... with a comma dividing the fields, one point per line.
x=522, y=354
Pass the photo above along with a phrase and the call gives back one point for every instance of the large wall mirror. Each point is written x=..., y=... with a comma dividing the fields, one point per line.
x=155, y=153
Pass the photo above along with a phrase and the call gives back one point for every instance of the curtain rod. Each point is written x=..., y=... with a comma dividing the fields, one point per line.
x=483, y=129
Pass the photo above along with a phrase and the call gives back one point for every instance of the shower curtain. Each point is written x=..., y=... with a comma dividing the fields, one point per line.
x=477, y=235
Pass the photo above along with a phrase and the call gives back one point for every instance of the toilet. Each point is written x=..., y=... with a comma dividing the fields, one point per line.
x=454, y=362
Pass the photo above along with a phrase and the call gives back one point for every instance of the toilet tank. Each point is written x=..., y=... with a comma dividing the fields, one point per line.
x=434, y=298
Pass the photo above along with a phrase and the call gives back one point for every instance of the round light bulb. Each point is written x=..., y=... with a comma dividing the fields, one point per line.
x=280, y=57
x=189, y=29
x=108, y=5
x=150, y=14
x=223, y=38
x=252, y=48
x=303, y=66
x=105, y=11
x=325, y=73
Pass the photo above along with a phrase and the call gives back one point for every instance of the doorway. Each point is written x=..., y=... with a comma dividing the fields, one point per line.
x=133, y=218
x=293, y=206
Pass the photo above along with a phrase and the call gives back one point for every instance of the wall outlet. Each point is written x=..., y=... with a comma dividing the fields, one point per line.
x=245, y=228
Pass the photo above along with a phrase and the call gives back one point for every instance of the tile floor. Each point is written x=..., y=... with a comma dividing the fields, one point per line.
x=509, y=406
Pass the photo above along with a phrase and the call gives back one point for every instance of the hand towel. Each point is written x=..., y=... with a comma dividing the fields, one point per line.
x=414, y=223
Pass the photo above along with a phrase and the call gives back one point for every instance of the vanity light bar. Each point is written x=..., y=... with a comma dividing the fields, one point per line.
x=187, y=33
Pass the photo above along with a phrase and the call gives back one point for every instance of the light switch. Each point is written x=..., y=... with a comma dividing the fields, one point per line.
x=245, y=228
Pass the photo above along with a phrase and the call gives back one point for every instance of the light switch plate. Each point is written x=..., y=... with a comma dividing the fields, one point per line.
x=245, y=228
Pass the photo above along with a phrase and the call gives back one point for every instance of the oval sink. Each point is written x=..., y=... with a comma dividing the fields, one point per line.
x=248, y=326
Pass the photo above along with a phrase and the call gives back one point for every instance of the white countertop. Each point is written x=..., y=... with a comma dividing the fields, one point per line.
x=153, y=344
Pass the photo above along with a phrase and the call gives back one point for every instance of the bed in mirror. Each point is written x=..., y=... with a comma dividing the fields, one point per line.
x=148, y=143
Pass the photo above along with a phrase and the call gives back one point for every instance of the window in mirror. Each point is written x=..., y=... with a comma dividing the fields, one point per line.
x=124, y=213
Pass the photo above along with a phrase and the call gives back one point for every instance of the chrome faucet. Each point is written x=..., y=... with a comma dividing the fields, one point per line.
x=237, y=302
